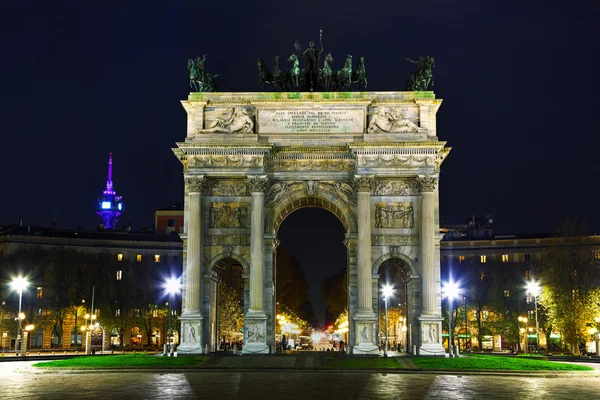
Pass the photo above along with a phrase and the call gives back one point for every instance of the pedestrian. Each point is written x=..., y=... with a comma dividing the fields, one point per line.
x=342, y=346
x=283, y=344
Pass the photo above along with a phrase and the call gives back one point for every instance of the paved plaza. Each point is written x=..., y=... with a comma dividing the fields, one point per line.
x=19, y=381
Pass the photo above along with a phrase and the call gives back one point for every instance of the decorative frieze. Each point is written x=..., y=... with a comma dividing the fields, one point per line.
x=310, y=164
x=258, y=183
x=235, y=120
x=229, y=215
x=396, y=188
x=343, y=190
x=228, y=240
x=396, y=160
x=394, y=215
x=391, y=120
x=427, y=183
x=234, y=187
x=195, y=183
x=394, y=240
x=227, y=160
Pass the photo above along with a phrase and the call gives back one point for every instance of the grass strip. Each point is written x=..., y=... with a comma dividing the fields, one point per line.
x=496, y=362
x=125, y=361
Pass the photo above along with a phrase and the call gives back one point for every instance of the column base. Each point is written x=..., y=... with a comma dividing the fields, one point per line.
x=430, y=336
x=255, y=328
x=365, y=333
x=191, y=334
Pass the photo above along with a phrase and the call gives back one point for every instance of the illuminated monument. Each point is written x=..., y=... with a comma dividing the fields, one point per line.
x=109, y=204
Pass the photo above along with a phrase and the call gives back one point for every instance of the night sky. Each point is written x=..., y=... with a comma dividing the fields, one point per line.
x=517, y=78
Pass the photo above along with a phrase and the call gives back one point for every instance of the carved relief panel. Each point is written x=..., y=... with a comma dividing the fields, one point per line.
x=394, y=215
x=229, y=215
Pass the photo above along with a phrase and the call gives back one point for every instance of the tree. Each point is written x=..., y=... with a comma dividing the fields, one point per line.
x=569, y=280
x=335, y=292
x=229, y=312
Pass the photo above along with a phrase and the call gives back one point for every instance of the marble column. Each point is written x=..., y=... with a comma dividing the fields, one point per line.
x=191, y=318
x=365, y=318
x=255, y=321
x=430, y=320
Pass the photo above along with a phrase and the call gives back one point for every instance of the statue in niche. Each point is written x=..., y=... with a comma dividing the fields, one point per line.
x=391, y=121
x=387, y=214
x=238, y=122
x=192, y=334
x=228, y=217
x=432, y=334
x=365, y=333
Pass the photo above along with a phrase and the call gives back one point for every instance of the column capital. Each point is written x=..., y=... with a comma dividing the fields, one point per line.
x=427, y=183
x=257, y=183
x=364, y=183
x=195, y=183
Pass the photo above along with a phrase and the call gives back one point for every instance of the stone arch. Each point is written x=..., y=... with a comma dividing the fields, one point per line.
x=299, y=199
x=223, y=259
x=407, y=264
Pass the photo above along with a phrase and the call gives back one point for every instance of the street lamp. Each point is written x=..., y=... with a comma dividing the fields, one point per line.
x=172, y=286
x=451, y=291
x=386, y=291
x=534, y=288
x=19, y=284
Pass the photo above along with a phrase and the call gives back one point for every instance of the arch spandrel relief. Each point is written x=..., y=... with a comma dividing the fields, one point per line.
x=312, y=150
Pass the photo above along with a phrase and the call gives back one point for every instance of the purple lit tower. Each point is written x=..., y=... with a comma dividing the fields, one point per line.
x=109, y=204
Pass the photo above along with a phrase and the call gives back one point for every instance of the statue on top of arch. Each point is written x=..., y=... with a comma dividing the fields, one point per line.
x=313, y=77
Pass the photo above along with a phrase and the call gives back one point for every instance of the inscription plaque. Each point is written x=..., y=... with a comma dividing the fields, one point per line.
x=312, y=120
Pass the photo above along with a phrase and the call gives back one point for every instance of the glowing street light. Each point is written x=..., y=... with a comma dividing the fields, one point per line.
x=172, y=286
x=451, y=291
x=534, y=288
x=19, y=284
x=386, y=291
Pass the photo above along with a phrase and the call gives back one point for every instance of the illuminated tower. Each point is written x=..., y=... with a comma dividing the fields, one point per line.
x=109, y=204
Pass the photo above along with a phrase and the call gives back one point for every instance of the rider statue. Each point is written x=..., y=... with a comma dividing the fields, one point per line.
x=312, y=57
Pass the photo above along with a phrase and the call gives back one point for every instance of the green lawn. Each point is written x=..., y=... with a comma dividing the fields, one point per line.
x=496, y=362
x=360, y=363
x=125, y=361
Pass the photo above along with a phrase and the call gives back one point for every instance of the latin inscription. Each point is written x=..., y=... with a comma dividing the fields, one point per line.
x=312, y=120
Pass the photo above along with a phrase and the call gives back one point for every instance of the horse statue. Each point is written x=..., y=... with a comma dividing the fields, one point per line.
x=195, y=80
x=281, y=79
x=264, y=76
x=344, y=76
x=360, y=75
x=295, y=71
x=326, y=75
x=199, y=80
x=421, y=79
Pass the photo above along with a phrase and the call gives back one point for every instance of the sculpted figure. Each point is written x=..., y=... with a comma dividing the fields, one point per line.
x=391, y=121
x=238, y=122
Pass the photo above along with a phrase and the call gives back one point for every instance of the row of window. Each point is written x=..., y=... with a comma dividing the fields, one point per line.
x=138, y=257
x=526, y=256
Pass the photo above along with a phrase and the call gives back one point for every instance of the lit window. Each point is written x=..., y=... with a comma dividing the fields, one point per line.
x=97, y=312
x=504, y=257
x=506, y=293
x=461, y=258
x=597, y=254
x=157, y=258
x=526, y=274
x=485, y=314
x=136, y=312
x=120, y=257
x=528, y=298
x=138, y=258
x=117, y=312
x=527, y=257
x=155, y=313
x=119, y=275
x=39, y=312
x=482, y=276
x=40, y=292
x=483, y=259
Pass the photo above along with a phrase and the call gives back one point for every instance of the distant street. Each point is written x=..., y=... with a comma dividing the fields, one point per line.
x=284, y=385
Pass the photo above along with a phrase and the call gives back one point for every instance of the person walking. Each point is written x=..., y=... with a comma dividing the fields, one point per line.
x=283, y=344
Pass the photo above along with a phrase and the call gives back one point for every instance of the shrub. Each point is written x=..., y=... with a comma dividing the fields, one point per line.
x=475, y=348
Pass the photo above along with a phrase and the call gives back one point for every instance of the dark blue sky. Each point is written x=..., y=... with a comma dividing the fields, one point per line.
x=518, y=81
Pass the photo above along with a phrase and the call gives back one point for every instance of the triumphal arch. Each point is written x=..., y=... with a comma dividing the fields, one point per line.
x=371, y=158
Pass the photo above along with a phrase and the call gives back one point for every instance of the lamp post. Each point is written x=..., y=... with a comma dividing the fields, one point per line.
x=171, y=286
x=451, y=291
x=19, y=284
x=386, y=291
x=534, y=288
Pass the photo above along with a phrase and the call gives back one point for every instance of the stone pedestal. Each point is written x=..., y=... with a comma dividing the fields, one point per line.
x=431, y=337
x=191, y=317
